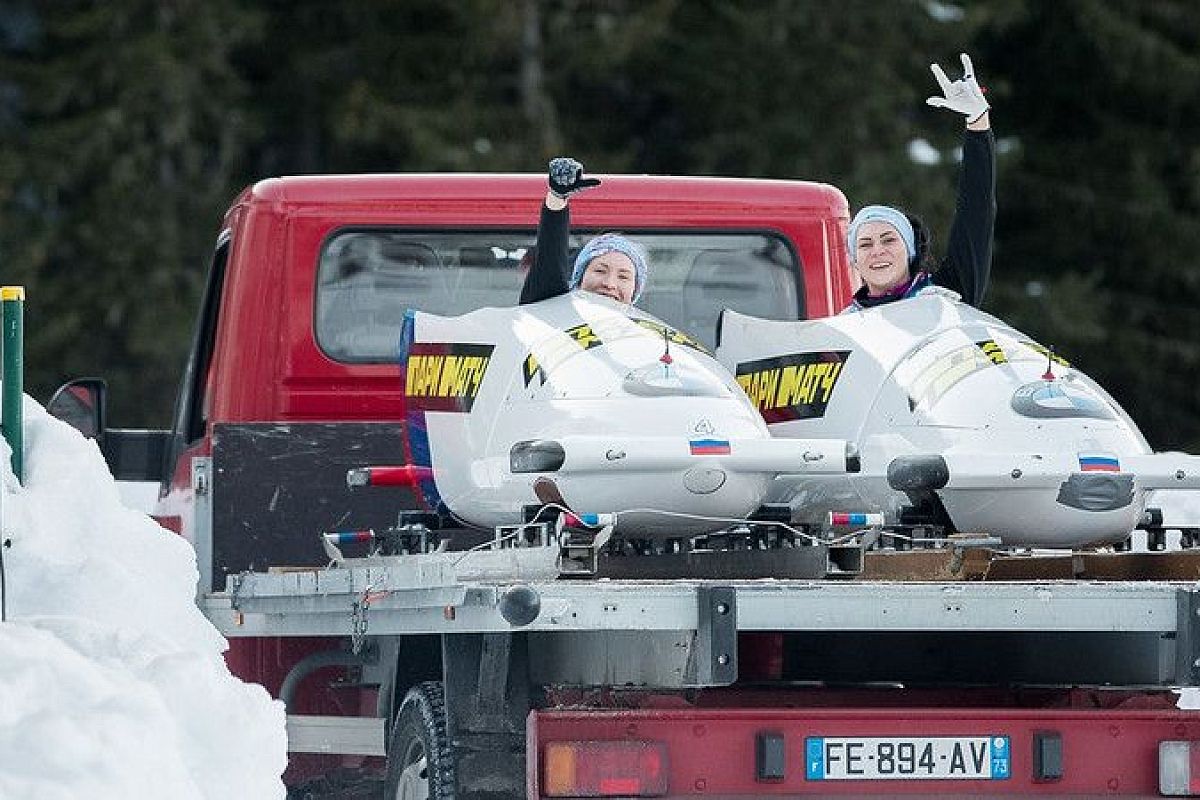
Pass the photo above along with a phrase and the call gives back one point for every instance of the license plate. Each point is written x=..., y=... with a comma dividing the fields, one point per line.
x=844, y=758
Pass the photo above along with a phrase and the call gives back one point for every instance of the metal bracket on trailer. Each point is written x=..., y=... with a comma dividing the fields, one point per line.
x=487, y=703
x=1187, y=638
x=716, y=636
x=202, y=533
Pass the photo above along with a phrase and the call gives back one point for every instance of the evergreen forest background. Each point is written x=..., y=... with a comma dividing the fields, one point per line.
x=126, y=127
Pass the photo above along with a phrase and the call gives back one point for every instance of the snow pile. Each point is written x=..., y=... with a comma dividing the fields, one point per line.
x=112, y=683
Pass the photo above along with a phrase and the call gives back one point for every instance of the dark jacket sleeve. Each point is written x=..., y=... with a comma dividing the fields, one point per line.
x=968, y=262
x=550, y=275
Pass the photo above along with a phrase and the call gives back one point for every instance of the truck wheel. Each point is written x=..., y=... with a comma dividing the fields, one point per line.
x=419, y=764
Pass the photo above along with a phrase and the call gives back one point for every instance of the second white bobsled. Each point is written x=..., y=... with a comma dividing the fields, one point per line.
x=949, y=405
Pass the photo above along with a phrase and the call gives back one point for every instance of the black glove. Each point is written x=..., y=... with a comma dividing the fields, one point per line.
x=566, y=177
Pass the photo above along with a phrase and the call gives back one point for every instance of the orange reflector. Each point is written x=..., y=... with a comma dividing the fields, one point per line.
x=558, y=769
x=1179, y=769
x=604, y=769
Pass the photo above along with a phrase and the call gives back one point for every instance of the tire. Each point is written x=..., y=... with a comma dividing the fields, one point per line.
x=419, y=763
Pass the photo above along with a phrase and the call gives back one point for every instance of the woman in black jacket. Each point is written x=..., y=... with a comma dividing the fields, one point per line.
x=610, y=264
x=889, y=249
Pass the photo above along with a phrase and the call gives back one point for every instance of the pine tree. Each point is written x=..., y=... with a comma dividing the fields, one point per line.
x=402, y=85
x=1100, y=211
x=118, y=163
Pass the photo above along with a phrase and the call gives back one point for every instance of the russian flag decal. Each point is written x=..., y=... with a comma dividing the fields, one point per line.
x=709, y=447
x=1099, y=464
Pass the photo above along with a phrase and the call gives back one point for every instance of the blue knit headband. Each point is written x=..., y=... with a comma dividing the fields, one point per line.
x=891, y=216
x=609, y=243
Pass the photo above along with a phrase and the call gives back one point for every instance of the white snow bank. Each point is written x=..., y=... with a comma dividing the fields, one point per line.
x=112, y=683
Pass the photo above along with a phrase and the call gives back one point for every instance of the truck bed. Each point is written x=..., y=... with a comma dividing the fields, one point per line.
x=592, y=631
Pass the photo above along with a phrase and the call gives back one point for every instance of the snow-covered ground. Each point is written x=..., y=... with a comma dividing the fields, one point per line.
x=112, y=684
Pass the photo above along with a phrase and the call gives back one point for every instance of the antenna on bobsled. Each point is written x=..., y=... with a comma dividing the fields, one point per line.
x=666, y=358
x=1048, y=375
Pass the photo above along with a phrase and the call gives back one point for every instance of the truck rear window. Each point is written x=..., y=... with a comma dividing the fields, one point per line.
x=368, y=278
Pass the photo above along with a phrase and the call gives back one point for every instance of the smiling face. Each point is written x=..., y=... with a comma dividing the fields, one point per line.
x=881, y=258
x=612, y=274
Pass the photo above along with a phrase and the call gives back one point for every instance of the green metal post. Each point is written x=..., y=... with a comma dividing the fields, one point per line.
x=12, y=299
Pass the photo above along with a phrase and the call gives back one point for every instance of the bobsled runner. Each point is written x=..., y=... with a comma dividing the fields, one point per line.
x=959, y=419
x=590, y=405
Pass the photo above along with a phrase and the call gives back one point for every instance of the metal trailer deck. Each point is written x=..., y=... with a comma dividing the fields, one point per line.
x=320, y=603
x=1101, y=632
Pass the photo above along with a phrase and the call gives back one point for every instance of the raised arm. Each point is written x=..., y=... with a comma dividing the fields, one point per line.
x=968, y=263
x=551, y=271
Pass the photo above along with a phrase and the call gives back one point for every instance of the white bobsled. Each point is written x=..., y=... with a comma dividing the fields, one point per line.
x=949, y=405
x=598, y=406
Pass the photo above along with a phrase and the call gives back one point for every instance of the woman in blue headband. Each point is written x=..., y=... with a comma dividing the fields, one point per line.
x=609, y=264
x=890, y=249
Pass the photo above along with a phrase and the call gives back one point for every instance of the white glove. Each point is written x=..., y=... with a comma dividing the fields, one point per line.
x=963, y=96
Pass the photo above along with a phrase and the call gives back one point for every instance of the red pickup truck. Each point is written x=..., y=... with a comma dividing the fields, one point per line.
x=620, y=688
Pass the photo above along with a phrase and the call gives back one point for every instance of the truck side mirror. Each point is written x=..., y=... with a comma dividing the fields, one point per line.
x=132, y=455
x=81, y=403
